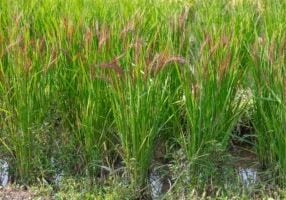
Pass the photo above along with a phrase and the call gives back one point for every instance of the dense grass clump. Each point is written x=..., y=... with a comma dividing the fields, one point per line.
x=99, y=89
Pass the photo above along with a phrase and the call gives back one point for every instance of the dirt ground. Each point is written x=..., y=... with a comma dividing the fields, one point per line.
x=9, y=193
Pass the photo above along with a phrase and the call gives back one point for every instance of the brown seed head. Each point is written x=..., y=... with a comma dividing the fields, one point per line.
x=224, y=67
x=183, y=18
x=103, y=35
x=113, y=65
x=88, y=36
x=130, y=27
x=160, y=61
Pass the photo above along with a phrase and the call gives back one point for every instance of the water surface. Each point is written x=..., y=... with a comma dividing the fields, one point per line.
x=4, y=173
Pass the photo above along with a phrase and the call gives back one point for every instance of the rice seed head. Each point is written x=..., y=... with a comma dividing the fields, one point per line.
x=206, y=42
x=224, y=67
x=52, y=61
x=103, y=36
x=178, y=23
x=27, y=65
x=128, y=28
x=271, y=52
x=183, y=18
x=113, y=65
x=138, y=45
x=282, y=49
x=88, y=36
x=68, y=28
x=161, y=60
x=255, y=49
x=195, y=87
x=17, y=19
x=2, y=77
x=225, y=41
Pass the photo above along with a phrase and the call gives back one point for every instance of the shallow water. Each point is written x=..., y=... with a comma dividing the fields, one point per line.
x=58, y=178
x=58, y=175
x=4, y=173
x=156, y=185
x=246, y=165
x=248, y=176
x=244, y=162
x=159, y=182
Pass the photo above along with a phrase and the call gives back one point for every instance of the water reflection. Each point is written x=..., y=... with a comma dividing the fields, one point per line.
x=4, y=173
x=155, y=185
x=246, y=164
x=248, y=176
x=58, y=178
x=59, y=174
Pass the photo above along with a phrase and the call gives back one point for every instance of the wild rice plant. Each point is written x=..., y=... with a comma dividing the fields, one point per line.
x=268, y=61
x=269, y=93
x=25, y=97
x=210, y=86
x=141, y=95
x=216, y=73
x=94, y=120
x=84, y=79
x=138, y=104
